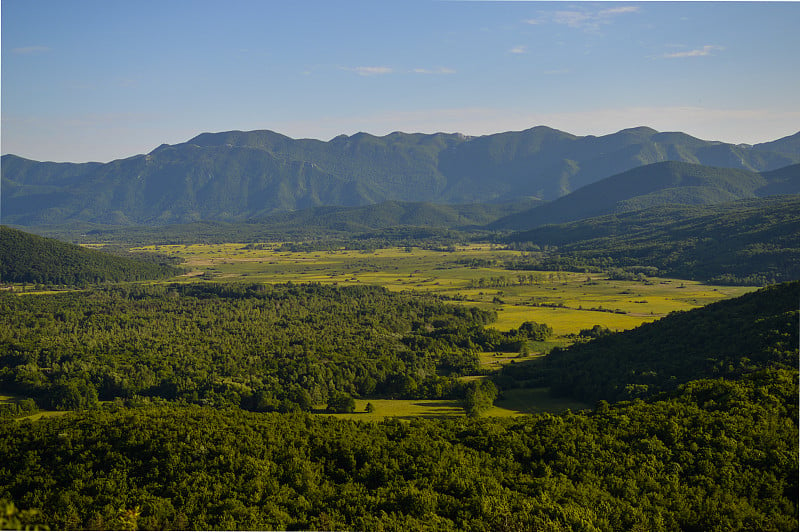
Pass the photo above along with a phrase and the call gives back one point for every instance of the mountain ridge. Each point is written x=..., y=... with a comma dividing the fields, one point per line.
x=236, y=175
x=668, y=182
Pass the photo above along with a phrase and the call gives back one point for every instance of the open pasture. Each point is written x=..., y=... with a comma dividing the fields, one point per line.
x=520, y=401
x=470, y=275
x=404, y=409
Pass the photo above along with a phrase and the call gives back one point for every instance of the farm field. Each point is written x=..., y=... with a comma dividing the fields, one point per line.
x=470, y=275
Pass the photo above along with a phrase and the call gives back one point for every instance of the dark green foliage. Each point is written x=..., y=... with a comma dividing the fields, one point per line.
x=715, y=456
x=754, y=242
x=725, y=339
x=258, y=347
x=27, y=258
x=238, y=175
x=479, y=397
x=341, y=404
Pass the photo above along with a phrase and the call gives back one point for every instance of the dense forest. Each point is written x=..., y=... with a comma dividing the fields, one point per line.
x=257, y=347
x=714, y=455
x=754, y=242
x=28, y=258
x=711, y=448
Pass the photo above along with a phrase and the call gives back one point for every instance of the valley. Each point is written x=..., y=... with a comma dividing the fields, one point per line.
x=326, y=354
x=469, y=275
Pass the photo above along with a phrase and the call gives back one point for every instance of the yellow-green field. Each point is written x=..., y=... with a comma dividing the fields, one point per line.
x=513, y=403
x=404, y=409
x=531, y=401
x=568, y=302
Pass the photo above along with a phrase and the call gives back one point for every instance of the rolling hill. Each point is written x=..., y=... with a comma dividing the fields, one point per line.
x=27, y=258
x=657, y=184
x=235, y=176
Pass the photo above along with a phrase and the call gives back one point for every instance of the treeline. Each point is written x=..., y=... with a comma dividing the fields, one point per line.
x=727, y=339
x=257, y=347
x=753, y=242
x=28, y=258
x=304, y=237
x=715, y=455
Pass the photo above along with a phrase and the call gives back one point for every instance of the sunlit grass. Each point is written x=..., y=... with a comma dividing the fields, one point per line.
x=404, y=409
x=568, y=302
x=521, y=401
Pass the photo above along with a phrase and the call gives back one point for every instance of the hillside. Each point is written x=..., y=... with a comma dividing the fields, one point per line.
x=727, y=339
x=27, y=258
x=395, y=221
x=657, y=184
x=746, y=242
x=239, y=175
x=394, y=214
x=788, y=146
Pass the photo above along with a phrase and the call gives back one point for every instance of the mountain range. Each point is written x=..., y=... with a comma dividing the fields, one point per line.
x=234, y=176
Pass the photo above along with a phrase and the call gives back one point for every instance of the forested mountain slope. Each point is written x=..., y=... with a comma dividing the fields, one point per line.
x=788, y=146
x=240, y=175
x=392, y=214
x=27, y=258
x=727, y=339
x=746, y=242
x=655, y=184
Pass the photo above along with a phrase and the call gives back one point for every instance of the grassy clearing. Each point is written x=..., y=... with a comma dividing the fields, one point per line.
x=43, y=414
x=404, y=409
x=521, y=401
x=515, y=402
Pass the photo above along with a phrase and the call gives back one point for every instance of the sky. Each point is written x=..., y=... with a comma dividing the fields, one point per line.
x=86, y=80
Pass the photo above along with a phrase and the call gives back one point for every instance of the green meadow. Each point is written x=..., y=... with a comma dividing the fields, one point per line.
x=470, y=275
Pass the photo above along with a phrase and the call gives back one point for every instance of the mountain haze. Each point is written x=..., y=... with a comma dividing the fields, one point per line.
x=239, y=175
x=657, y=184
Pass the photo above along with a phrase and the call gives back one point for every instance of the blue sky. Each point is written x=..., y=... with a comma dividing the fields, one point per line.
x=99, y=80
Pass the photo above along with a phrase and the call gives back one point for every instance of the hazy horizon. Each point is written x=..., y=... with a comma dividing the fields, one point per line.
x=97, y=81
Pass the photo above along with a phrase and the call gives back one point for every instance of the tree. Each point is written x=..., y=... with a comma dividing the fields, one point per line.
x=479, y=397
x=341, y=404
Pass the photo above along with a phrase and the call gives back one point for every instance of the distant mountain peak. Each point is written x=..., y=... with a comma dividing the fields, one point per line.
x=639, y=130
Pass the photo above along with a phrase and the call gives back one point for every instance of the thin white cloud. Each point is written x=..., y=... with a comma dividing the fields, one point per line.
x=519, y=50
x=584, y=19
x=619, y=10
x=27, y=50
x=370, y=70
x=440, y=70
x=697, y=52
